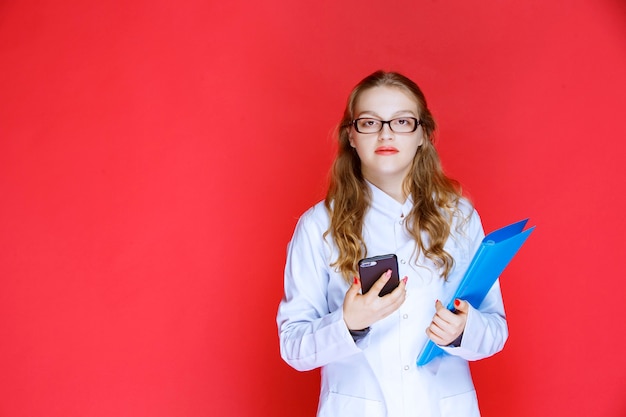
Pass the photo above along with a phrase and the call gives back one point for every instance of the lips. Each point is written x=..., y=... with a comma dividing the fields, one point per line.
x=386, y=150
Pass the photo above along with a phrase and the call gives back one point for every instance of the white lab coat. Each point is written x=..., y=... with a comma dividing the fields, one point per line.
x=377, y=376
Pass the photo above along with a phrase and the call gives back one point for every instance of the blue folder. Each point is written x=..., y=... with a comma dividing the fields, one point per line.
x=494, y=254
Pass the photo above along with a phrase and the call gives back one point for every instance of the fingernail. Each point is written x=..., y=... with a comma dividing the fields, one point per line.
x=388, y=273
x=356, y=280
x=405, y=279
x=457, y=303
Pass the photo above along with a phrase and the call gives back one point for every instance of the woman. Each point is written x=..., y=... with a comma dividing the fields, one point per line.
x=388, y=194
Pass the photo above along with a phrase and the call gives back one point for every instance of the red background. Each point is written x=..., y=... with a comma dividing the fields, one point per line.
x=154, y=158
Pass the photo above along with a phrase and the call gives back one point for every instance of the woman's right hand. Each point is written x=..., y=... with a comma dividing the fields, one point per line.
x=362, y=310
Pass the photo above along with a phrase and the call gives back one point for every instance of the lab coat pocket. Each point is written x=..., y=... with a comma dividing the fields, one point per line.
x=342, y=405
x=461, y=405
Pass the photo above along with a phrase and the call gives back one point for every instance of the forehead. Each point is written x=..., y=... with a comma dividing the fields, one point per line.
x=385, y=100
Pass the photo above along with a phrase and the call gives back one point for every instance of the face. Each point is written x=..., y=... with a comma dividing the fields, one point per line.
x=386, y=155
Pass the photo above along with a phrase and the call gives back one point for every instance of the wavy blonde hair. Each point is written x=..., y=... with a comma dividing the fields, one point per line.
x=435, y=196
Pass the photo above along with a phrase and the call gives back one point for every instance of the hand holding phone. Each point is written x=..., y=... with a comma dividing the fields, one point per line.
x=361, y=311
x=370, y=270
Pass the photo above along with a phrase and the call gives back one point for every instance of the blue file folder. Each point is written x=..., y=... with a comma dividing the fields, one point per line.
x=494, y=254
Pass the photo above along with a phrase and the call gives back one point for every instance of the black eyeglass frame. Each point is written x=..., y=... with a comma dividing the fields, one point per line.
x=353, y=123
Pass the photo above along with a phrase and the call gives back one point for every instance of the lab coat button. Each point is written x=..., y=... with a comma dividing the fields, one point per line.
x=405, y=316
x=402, y=261
x=406, y=367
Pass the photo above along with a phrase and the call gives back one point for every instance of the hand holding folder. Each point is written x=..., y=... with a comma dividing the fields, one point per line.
x=494, y=254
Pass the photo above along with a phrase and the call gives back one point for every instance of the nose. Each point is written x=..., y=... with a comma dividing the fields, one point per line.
x=386, y=132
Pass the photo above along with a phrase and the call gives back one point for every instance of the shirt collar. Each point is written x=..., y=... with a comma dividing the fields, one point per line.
x=387, y=205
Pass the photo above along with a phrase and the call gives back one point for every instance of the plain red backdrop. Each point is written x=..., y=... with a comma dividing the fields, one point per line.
x=155, y=156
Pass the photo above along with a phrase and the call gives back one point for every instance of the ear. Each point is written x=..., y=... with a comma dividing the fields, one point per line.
x=351, y=141
x=422, y=138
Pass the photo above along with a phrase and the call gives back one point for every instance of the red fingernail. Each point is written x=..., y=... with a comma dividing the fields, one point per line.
x=457, y=303
x=356, y=280
x=405, y=279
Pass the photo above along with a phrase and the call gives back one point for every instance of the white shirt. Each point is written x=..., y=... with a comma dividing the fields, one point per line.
x=377, y=375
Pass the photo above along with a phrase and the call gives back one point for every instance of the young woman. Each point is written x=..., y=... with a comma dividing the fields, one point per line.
x=388, y=194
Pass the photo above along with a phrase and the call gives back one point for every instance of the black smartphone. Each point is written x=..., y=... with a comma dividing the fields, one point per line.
x=370, y=269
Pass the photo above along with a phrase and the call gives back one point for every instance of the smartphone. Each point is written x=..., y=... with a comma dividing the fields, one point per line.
x=370, y=270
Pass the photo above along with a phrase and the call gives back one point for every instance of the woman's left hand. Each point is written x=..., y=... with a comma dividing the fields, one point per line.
x=447, y=326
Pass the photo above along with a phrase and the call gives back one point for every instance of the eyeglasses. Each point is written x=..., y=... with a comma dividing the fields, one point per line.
x=399, y=125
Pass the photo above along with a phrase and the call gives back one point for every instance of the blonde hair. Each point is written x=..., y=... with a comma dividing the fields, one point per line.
x=435, y=196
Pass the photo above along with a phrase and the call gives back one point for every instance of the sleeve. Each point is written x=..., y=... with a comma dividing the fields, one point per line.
x=310, y=334
x=486, y=329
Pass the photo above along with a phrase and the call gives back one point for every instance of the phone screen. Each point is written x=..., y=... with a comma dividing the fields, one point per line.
x=370, y=270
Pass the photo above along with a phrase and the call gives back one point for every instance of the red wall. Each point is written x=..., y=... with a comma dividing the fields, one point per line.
x=154, y=158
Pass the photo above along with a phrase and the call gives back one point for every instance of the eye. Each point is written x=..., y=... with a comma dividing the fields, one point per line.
x=368, y=123
x=403, y=123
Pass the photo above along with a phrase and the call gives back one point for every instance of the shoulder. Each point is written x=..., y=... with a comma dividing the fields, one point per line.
x=315, y=214
x=465, y=211
x=467, y=219
x=310, y=231
x=315, y=218
x=465, y=207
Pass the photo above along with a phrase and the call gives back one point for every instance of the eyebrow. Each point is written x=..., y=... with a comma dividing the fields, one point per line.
x=396, y=114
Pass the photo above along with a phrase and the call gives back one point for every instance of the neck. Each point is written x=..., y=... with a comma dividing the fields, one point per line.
x=390, y=186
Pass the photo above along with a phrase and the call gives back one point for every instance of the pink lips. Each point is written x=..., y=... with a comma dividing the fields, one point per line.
x=386, y=150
